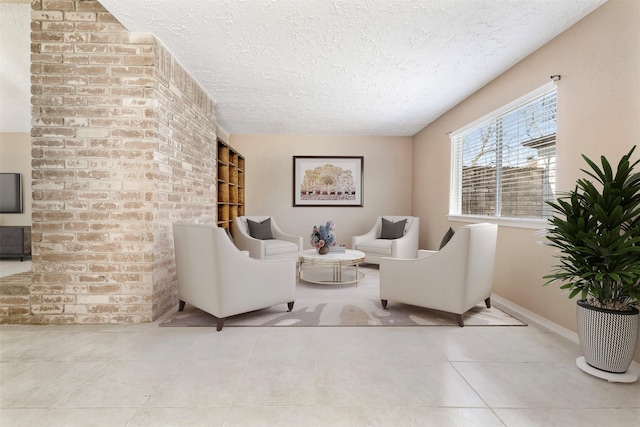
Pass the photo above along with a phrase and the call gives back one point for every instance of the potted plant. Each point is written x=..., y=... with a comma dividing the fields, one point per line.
x=596, y=228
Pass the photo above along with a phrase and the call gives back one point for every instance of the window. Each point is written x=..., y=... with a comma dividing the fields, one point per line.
x=504, y=165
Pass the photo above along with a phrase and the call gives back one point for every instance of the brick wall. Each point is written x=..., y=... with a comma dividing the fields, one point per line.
x=185, y=166
x=123, y=145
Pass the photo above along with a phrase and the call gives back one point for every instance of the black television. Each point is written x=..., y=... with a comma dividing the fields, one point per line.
x=10, y=193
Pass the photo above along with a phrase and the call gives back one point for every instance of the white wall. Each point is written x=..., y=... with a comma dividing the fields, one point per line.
x=269, y=180
x=15, y=157
x=15, y=46
x=15, y=105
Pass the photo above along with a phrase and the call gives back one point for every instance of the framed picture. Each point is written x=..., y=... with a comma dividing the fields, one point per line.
x=328, y=181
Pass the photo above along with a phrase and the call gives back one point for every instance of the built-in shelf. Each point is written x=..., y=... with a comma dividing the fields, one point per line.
x=230, y=185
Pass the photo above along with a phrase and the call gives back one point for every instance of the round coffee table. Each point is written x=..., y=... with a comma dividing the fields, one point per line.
x=335, y=260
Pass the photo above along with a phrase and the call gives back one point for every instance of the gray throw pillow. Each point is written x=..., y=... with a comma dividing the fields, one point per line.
x=392, y=230
x=260, y=230
x=447, y=236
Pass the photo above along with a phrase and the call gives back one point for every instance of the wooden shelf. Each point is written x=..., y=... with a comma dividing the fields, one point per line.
x=230, y=185
x=223, y=192
x=223, y=172
x=223, y=212
x=223, y=153
x=233, y=194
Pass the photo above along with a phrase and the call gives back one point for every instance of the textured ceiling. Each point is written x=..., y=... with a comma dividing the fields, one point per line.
x=366, y=67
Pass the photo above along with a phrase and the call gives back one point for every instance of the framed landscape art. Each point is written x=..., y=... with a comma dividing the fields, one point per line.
x=328, y=181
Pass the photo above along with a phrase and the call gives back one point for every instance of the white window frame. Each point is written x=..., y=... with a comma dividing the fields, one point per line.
x=455, y=199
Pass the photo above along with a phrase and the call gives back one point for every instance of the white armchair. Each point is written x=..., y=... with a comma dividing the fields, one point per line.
x=280, y=246
x=377, y=243
x=214, y=276
x=453, y=279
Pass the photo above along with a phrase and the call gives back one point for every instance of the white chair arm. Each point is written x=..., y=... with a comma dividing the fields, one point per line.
x=281, y=235
x=244, y=241
x=250, y=284
x=423, y=253
x=407, y=245
x=369, y=235
x=423, y=282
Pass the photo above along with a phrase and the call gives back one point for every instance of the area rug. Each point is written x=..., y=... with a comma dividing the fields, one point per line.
x=344, y=305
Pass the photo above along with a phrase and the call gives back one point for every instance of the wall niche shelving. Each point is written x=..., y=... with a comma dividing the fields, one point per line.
x=230, y=185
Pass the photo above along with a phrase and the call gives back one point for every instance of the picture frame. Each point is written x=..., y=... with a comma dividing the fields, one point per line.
x=328, y=181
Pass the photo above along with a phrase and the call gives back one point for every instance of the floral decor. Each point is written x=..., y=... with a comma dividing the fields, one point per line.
x=323, y=235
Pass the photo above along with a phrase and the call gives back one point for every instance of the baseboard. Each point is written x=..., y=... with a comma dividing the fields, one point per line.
x=531, y=317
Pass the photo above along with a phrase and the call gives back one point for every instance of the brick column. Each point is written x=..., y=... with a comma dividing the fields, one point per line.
x=123, y=144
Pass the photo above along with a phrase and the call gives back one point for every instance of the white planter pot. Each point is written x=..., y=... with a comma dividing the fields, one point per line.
x=608, y=338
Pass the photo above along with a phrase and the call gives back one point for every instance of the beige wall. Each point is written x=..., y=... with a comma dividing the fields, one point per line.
x=598, y=114
x=15, y=157
x=269, y=175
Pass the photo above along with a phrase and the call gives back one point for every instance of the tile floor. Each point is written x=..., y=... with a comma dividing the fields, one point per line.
x=144, y=375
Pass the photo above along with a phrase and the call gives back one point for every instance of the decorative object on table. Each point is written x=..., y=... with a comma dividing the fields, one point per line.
x=337, y=249
x=327, y=181
x=598, y=234
x=322, y=237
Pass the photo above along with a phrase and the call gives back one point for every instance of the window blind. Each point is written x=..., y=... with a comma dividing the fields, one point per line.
x=504, y=165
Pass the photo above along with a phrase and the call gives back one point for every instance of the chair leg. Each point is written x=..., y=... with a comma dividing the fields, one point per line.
x=487, y=302
x=181, y=306
x=290, y=305
x=460, y=321
x=384, y=303
x=219, y=323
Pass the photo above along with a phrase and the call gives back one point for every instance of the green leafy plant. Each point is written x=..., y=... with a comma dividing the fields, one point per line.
x=597, y=230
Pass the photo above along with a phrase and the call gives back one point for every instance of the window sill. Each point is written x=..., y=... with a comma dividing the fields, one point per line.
x=536, y=224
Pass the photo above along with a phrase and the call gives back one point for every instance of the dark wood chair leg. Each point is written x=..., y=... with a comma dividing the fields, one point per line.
x=487, y=302
x=460, y=321
x=219, y=323
x=290, y=305
x=181, y=306
x=384, y=303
